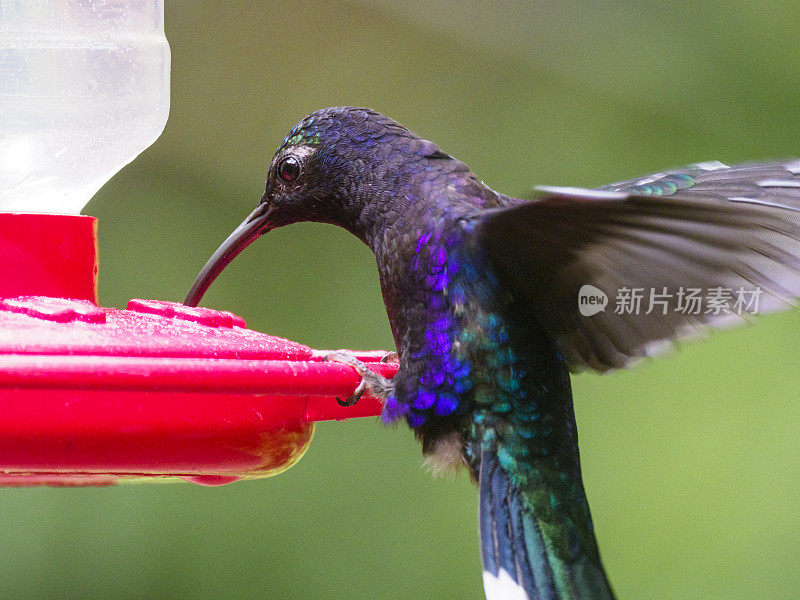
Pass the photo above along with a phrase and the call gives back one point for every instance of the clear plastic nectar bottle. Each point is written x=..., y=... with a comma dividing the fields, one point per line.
x=84, y=88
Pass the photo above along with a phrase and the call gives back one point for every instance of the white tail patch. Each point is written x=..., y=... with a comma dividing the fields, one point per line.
x=502, y=587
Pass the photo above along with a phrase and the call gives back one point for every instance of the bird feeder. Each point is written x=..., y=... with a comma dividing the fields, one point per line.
x=91, y=395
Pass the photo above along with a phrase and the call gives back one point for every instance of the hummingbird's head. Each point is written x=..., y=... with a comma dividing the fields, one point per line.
x=330, y=167
x=333, y=162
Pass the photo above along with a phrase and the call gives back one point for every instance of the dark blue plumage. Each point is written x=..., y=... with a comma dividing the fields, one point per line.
x=482, y=295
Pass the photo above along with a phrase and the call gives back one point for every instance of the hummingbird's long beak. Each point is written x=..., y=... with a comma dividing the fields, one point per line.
x=256, y=224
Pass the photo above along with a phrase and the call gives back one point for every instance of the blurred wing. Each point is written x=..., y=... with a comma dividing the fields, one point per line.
x=670, y=255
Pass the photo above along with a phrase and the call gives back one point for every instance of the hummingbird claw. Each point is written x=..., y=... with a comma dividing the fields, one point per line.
x=351, y=400
x=377, y=385
x=391, y=357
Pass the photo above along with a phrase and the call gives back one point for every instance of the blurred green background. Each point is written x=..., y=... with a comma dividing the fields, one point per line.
x=691, y=462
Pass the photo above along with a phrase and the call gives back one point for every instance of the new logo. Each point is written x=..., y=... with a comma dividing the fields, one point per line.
x=591, y=300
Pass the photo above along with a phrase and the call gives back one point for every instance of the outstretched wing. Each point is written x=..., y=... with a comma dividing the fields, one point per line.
x=616, y=274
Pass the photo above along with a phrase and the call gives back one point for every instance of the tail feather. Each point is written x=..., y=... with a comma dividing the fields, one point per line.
x=528, y=543
x=519, y=563
x=511, y=544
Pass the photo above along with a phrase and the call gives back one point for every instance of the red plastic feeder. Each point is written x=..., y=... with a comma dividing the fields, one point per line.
x=92, y=395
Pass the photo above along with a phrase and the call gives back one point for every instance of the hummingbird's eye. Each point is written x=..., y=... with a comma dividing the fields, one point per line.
x=289, y=168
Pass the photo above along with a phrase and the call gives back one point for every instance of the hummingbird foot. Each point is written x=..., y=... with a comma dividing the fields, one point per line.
x=377, y=385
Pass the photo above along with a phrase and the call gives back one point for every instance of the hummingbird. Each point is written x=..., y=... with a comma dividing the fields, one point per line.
x=494, y=301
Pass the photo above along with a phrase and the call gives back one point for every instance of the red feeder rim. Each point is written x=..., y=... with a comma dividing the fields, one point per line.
x=91, y=395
